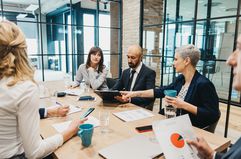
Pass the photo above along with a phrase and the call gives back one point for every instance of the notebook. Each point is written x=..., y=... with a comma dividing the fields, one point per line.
x=138, y=146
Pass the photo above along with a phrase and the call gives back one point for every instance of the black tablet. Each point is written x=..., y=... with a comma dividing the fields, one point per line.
x=108, y=95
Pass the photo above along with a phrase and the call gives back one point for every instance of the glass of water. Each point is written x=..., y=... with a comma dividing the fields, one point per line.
x=53, y=97
x=67, y=80
x=104, y=117
x=170, y=111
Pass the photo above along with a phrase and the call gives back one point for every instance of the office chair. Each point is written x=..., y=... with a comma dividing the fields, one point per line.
x=111, y=82
x=211, y=128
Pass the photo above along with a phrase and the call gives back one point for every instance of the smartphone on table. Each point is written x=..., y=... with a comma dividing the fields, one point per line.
x=86, y=98
x=142, y=129
x=90, y=110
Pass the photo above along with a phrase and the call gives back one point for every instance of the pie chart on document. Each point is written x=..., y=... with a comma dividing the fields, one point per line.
x=177, y=140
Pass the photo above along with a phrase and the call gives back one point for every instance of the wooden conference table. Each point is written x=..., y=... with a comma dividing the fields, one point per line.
x=119, y=130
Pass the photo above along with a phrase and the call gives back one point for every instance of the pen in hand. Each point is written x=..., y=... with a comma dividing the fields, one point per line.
x=62, y=110
x=58, y=103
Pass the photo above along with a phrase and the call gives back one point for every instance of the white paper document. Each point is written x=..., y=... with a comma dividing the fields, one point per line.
x=137, y=147
x=74, y=109
x=60, y=127
x=132, y=115
x=74, y=92
x=171, y=135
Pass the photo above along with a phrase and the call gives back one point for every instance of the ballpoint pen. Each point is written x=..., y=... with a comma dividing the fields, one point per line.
x=59, y=103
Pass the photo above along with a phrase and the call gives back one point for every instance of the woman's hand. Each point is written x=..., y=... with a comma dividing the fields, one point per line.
x=60, y=111
x=181, y=104
x=72, y=129
x=176, y=102
x=91, y=69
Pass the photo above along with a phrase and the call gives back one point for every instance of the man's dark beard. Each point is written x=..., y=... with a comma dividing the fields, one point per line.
x=131, y=65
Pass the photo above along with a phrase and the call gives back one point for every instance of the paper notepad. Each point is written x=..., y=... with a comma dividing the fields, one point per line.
x=132, y=115
x=72, y=108
x=74, y=92
x=137, y=147
x=172, y=133
x=60, y=127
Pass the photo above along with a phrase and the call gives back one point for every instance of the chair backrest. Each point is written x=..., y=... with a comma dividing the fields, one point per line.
x=111, y=82
x=150, y=106
x=211, y=128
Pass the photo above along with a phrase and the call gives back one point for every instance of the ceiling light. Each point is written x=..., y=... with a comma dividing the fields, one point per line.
x=31, y=7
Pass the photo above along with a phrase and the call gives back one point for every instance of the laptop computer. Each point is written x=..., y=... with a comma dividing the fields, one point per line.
x=138, y=146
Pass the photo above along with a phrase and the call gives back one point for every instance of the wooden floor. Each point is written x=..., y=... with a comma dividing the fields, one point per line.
x=234, y=126
x=234, y=131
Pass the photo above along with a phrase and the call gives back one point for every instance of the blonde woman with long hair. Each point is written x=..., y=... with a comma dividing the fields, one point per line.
x=19, y=116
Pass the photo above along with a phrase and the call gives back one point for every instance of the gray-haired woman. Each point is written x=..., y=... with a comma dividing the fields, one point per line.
x=196, y=94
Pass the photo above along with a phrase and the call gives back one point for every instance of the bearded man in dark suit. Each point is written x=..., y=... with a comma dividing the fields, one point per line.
x=137, y=77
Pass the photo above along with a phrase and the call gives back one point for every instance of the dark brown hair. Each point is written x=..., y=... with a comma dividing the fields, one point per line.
x=95, y=50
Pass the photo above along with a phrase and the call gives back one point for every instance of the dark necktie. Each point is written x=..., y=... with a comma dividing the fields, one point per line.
x=130, y=80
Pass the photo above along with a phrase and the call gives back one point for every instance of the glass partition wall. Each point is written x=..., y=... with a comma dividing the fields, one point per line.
x=60, y=34
x=211, y=25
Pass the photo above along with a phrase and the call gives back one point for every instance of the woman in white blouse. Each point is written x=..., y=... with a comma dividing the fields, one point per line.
x=94, y=72
x=19, y=116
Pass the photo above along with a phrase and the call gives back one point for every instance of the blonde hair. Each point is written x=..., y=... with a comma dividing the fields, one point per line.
x=190, y=51
x=13, y=54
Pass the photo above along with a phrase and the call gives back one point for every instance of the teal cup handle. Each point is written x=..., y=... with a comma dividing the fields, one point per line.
x=170, y=93
x=85, y=133
x=80, y=132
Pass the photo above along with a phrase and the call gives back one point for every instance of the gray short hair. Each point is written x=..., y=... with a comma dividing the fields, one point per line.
x=190, y=51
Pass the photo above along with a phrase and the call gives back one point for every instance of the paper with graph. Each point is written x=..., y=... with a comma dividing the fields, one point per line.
x=171, y=135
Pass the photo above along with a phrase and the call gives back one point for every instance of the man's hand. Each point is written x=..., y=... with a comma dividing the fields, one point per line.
x=204, y=150
x=127, y=95
x=121, y=99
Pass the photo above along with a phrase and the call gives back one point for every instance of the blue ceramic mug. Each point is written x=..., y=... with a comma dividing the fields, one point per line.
x=85, y=133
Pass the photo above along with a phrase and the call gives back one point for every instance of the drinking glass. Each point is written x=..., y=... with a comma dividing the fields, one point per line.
x=104, y=117
x=170, y=111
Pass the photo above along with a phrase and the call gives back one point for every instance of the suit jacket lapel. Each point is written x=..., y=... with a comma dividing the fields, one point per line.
x=127, y=78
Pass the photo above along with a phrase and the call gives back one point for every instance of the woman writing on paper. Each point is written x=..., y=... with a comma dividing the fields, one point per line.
x=94, y=72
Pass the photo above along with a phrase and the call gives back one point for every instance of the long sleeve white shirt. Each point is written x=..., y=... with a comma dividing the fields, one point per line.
x=92, y=77
x=19, y=122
